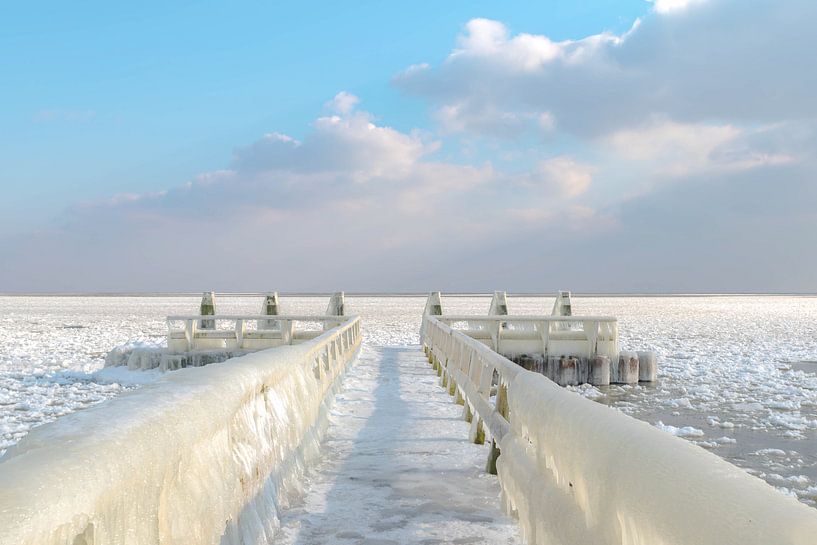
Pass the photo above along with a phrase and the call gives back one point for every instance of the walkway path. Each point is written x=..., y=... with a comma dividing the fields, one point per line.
x=399, y=468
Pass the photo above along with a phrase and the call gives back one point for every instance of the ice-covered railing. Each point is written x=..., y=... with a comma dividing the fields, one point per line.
x=201, y=456
x=585, y=336
x=578, y=472
x=246, y=332
x=481, y=386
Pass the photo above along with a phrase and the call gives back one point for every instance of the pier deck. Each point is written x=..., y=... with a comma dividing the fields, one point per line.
x=399, y=467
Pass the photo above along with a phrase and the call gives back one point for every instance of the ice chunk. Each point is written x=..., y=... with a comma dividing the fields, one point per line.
x=686, y=431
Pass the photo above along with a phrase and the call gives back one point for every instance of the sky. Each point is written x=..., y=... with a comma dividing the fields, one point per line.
x=600, y=146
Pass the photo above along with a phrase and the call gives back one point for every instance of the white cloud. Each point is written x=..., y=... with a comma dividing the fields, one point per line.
x=342, y=103
x=487, y=38
x=667, y=137
x=360, y=202
x=350, y=145
x=560, y=176
x=486, y=120
x=697, y=65
x=669, y=6
x=678, y=149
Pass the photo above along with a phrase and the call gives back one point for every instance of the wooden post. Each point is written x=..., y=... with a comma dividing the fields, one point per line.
x=269, y=308
x=467, y=414
x=286, y=331
x=502, y=400
x=477, y=434
x=336, y=307
x=568, y=372
x=553, y=365
x=503, y=409
x=561, y=306
x=647, y=367
x=499, y=304
x=434, y=305
x=493, y=454
x=599, y=371
x=240, y=329
x=626, y=372
x=207, y=308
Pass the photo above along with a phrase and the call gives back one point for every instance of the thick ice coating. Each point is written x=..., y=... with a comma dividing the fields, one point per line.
x=201, y=456
x=579, y=472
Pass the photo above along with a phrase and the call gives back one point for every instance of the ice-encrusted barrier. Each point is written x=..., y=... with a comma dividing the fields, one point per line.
x=570, y=350
x=202, y=456
x=577, y=472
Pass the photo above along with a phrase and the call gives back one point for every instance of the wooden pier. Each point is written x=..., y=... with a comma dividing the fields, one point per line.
x=214, y=454
x=570, y=350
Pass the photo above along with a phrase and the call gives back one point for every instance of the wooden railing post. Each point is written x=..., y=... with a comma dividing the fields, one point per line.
x=503, y=409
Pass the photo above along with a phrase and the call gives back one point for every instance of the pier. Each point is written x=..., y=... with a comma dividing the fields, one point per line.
x=570, y=350
x=459, y=439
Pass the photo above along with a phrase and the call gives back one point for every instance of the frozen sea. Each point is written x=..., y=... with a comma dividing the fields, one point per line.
x=737, y=374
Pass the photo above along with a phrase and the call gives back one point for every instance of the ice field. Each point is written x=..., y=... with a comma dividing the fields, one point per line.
x=737, y=375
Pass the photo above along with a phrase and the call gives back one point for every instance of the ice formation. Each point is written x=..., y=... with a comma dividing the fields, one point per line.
x=137, y=355
x=729, y=364
x=577, y=472
x=202, y=456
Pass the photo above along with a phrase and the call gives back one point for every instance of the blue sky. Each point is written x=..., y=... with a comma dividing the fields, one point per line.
x=141, y=97
x=665, y=134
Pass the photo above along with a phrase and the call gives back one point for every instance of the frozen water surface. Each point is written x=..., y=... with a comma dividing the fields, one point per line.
x=739, y=370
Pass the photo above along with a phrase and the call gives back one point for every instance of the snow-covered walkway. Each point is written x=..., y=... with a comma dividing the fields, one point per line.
x=398, y=465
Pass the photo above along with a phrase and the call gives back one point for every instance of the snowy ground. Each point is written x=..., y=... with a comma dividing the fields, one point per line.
x=737, y=375
x=399, y=468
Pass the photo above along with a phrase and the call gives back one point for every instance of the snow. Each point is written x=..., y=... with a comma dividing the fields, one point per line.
x=398, y=468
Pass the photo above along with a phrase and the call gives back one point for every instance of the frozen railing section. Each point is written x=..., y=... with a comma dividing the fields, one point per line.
x=578, y=472
x=585, y=336
x=477, y=376
x=250, y=332
x=203, y=457
x=568, y=349
x=209, y=337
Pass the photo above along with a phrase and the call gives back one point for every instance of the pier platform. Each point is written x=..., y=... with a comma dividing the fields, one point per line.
x=398, y=466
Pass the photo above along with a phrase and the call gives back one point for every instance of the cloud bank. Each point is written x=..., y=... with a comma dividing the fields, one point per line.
x=354, y=205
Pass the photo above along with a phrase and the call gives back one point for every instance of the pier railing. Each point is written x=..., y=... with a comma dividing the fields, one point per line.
x=198, y=457
x=575, y=471
x=244, y=332
x=584, y=336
